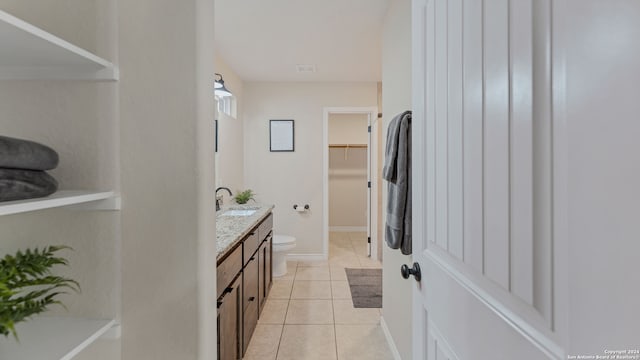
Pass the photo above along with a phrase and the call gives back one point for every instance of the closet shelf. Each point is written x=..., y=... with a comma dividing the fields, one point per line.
x=88, y=200
x=29, y=53
x=54, y=338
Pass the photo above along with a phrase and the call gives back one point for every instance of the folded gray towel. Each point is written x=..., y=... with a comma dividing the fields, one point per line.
x=18, y=184
x=25, y=154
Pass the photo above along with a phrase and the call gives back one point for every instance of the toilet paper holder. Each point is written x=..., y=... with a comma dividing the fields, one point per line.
x=306, y=207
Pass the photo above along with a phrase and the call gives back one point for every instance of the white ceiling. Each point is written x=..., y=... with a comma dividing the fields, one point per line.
x=263, y=40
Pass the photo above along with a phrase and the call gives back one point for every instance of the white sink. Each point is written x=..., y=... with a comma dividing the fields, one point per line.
x=239, y=212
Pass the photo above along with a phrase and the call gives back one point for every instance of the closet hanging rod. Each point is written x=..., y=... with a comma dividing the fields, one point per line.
x=348, y=146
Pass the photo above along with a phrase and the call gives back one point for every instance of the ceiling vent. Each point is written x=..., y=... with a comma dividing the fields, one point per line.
x=305, y=68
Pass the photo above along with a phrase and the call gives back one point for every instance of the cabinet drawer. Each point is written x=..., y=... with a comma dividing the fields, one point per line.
x=265, y=227
x=250, y=245
x=228, y=269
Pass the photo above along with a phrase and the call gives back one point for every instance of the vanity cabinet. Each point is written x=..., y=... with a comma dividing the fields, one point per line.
x=244, y=278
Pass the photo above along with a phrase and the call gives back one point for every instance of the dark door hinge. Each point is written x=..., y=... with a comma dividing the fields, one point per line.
x=369, y=184
x=369, y=128
x=369, y=240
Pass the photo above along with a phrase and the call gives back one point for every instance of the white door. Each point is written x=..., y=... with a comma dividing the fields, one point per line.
x=482, y=180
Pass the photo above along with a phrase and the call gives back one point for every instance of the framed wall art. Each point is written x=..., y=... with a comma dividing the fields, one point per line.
x=281, y=135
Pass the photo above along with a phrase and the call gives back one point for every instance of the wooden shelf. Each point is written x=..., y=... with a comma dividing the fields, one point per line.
x=27, y=52
x=92, y=201
x=53, y=338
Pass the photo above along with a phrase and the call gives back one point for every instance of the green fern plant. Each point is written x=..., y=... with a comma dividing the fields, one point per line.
x=27, y=286
x=242, y=197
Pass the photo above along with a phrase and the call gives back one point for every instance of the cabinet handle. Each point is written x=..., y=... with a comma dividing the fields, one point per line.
x=252, y=298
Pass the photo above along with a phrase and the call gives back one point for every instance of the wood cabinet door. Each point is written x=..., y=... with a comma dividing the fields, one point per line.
x=230, y=322
x=261, y=275
x=268, y=270
x=250, y=298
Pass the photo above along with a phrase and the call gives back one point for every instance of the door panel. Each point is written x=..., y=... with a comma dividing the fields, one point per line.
x=454, y=128
x=496, y=144
x=473, y=136
x=521, y=149
x=476, y=146
x=439, y=348
x=461, y=317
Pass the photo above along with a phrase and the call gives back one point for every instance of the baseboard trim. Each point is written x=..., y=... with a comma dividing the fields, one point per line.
x=387, y=335
x=347, y=228
x=306, y=257
x=114, y=333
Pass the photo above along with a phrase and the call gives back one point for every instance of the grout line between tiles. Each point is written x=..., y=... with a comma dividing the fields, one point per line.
x=335, y=330
x=286, y=313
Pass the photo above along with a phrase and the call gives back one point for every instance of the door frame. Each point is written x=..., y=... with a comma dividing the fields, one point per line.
x=372, y=167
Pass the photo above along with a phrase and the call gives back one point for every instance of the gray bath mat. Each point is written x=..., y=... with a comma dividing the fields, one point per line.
x=366, y=287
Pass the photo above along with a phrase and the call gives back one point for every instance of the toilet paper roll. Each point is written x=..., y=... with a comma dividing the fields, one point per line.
x=300, y=209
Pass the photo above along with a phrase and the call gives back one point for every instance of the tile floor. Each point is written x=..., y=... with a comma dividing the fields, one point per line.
x=309, y=314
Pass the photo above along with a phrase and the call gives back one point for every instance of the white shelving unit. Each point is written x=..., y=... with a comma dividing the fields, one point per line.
x=106, y=200
x=53, y=338
x=27, y=52
x=30, y=53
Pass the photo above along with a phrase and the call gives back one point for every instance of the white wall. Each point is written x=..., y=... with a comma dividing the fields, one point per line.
x=291, y=178
x=348, y=128
x=347, y=188
x=396, y=98
x=168, y=214
x=230, y=155
x=603, y=80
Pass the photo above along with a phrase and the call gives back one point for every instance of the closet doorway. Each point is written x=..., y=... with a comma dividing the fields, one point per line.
x=350, y=190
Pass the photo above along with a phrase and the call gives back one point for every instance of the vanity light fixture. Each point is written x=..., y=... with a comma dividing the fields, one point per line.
x=220, y=89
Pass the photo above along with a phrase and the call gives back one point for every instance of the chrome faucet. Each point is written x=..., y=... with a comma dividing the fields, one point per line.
x=219, y=201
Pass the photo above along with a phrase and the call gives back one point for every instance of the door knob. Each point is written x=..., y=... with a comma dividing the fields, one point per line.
x=415, y=271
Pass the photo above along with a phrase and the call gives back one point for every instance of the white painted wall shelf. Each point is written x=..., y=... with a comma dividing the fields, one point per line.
x=53, y=338
x=86, y=200
x=29, y=53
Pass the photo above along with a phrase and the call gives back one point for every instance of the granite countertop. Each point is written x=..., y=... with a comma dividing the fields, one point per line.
x=231, y=229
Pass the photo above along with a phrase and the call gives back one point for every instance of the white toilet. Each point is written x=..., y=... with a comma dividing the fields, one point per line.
x=281, y=246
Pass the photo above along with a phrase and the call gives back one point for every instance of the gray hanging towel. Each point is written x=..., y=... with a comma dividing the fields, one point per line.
x=397, y=171
x=18, y=184
x=25, y=154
